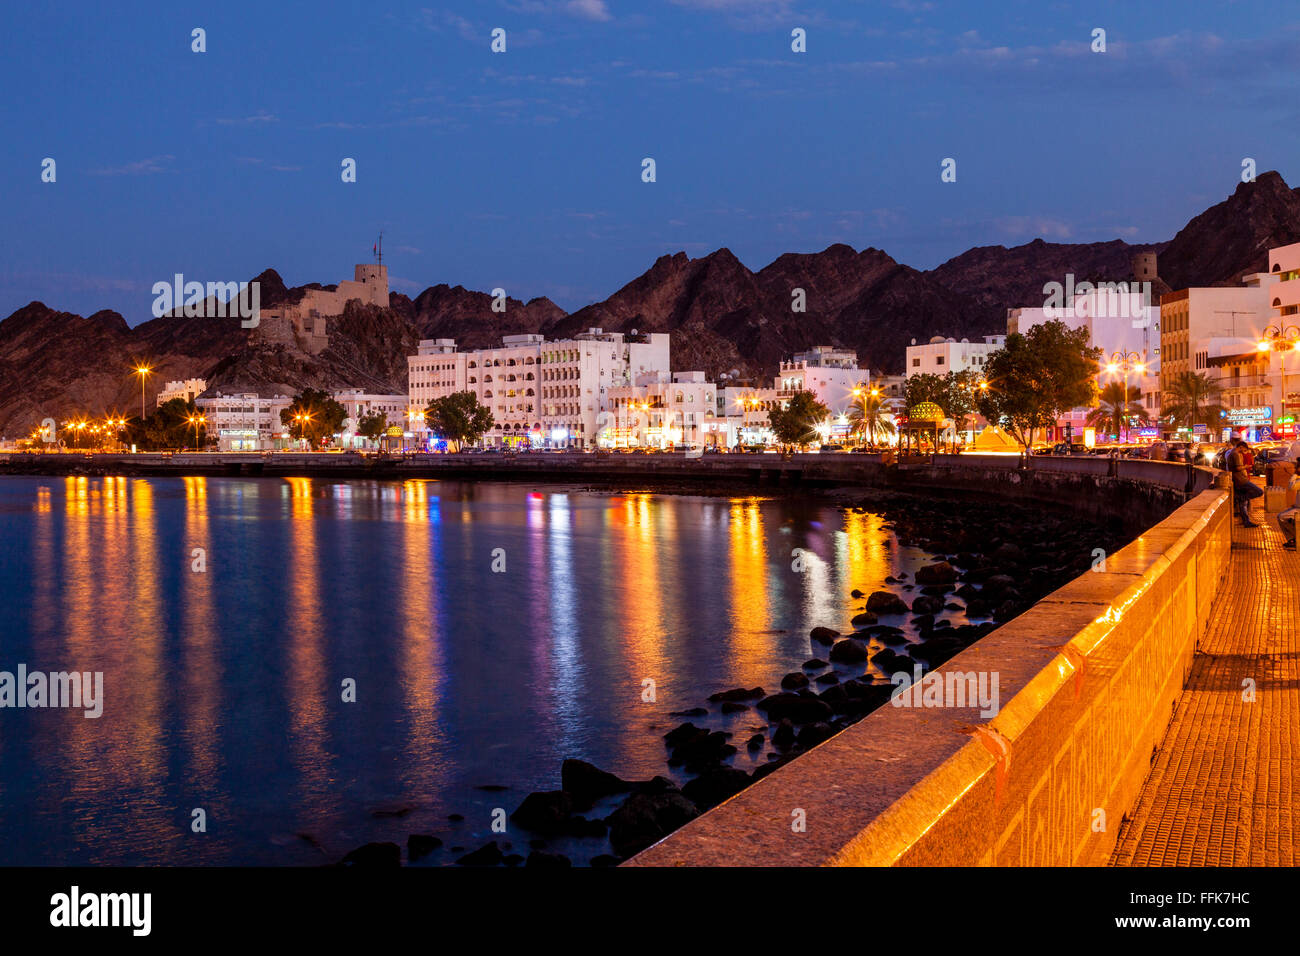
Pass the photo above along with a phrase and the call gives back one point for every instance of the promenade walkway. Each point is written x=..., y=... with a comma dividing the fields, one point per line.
x=1224, y=788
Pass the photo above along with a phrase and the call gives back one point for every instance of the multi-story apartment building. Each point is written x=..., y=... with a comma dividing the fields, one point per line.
x=940, y=356
x=1127, y=330
x=244, y=421
x=540, y=393
x=1283, y=335
x=663, y=410
x=359, y=404
x=830, y=374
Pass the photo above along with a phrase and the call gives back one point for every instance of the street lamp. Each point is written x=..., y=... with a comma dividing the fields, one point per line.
x=1125, y=362
x=196, y=421
x=302, y=418
x=1284, y=339
x=142, y=370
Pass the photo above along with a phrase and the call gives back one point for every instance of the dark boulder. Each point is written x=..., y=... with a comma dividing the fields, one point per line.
x=738, y=694
x=886, y=602
x=848, y=651
x=733, y=707
x=813, y=734
x=824, y=635
x=714, y=786
x=939, y=573
x=545, y=811
x=865, y=619
x=815, y=664
x=795, y=681
x=926, y=604
x=799, y=709
x=646, y=818
x=783, y=736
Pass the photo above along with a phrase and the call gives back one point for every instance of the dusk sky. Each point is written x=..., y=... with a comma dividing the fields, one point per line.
x=523, y=169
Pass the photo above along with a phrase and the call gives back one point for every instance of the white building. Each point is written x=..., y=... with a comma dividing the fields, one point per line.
x=830, y=374
x=663, y=410
x=188, y=390
x=359, y=404
x=1126, y=328
x=540, y=393
x=244, y=421
x=940, y=356
x=744, y=412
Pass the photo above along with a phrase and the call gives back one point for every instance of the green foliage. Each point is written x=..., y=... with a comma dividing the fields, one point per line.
x=1193, y=398
x=955, y=392
x=458, y=418
x=870, y=417
x=313, y=415
x=1035, y=378
x=796, y=424
x=373, y=426
x=167, y=427
x=1117, y=406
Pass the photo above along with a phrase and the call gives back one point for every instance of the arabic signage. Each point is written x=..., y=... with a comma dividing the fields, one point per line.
x=1250, y=415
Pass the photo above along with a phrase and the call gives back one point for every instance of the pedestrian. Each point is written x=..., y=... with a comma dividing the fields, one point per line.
x=1243, y=489
x=1286, y=524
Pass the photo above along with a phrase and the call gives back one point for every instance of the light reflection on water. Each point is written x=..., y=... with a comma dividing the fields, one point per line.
x=227, y=615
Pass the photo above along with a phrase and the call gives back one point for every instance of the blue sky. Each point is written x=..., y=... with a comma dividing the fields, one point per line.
x=523, y=169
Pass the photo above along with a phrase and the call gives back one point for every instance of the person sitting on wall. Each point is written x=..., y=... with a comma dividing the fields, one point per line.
x=1243, y=489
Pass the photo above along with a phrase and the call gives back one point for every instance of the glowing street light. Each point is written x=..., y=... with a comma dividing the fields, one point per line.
x=143, y=371
x=1283, y=339
x=1125, y=362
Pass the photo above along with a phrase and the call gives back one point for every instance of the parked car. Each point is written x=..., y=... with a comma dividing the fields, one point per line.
x=1069, y=448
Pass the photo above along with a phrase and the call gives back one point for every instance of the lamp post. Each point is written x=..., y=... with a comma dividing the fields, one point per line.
x=196, y=421
x=1284, y=339
x=142, y=370
x=1125, y=362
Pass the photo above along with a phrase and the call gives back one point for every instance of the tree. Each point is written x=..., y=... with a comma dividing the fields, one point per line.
x=313, y=415
x=458, y=418
x=1193, y=399
x=925, y=387
x=169, y=426
x=796, y=423
x=1036, y=377
x=1116, y=407
x=867, y=415
x=373, y=426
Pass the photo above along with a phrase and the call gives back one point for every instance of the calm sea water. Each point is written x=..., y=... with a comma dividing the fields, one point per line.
x=223, y=687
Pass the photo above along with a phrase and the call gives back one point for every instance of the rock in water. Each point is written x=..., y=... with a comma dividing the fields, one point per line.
x=940, y=572
x=824, y=635
x=588, y=783
x=546, y=811
x=714, y=786
x=646, y=818
x=849, y=651
x=886, y=602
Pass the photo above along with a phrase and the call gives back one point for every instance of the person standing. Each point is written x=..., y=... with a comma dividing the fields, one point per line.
x=1244, y=491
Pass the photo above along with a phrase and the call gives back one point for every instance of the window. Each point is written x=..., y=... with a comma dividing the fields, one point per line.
x=916, y=363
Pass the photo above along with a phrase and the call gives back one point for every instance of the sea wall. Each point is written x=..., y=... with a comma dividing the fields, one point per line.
x=1087, y=680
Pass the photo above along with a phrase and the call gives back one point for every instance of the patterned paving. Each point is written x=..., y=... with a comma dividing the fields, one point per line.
x=1224, y=784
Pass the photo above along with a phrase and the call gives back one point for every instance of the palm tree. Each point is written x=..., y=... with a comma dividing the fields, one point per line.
x=1116, y=407
x=867, y=413
x=1193, y=399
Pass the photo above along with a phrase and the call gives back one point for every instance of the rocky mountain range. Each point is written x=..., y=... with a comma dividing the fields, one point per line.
x=722, y=314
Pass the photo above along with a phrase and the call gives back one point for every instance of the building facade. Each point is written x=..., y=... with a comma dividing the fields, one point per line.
x=244, y=421
x=830, y=374
x=187, y=390
x=541, y=393
x=940, y=356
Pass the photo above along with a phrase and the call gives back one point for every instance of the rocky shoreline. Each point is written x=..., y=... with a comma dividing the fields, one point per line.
x=987, y=566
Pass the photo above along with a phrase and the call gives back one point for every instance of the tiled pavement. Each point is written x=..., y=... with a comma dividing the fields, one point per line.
x=1224, y=788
